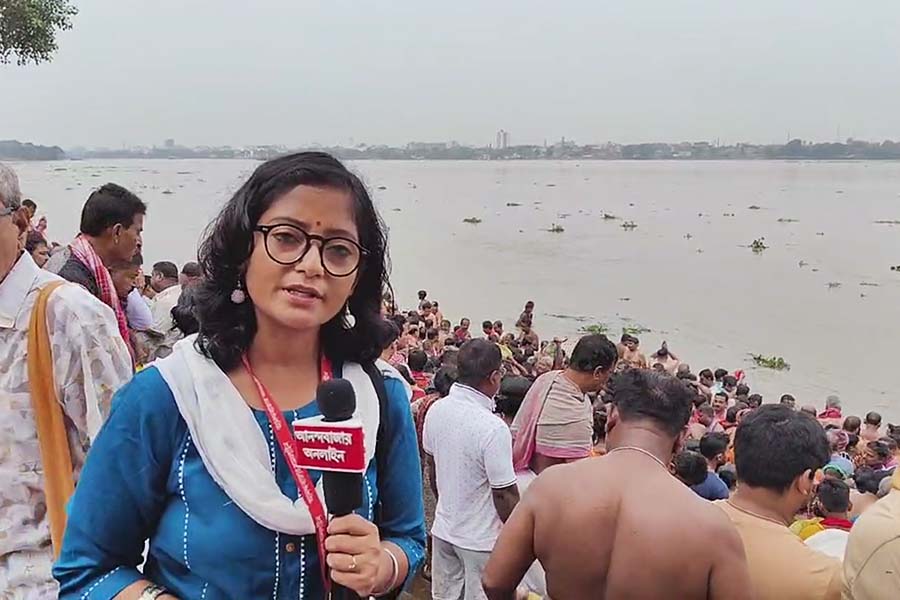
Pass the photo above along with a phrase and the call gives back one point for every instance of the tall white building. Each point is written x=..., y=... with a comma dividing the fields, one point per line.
x=502, y=140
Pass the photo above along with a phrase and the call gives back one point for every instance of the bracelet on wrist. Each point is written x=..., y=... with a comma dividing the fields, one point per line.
x=395, y=574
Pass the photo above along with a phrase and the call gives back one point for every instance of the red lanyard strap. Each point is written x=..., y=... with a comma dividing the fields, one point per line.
x=289, y=450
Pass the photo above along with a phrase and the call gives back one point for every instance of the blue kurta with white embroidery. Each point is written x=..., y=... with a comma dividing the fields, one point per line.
x=144, y=480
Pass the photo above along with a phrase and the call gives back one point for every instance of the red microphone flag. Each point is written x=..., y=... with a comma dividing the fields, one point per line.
x=330, y=445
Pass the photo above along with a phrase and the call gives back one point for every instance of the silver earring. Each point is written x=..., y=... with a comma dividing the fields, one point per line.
x=348, y=320
x=238, y=295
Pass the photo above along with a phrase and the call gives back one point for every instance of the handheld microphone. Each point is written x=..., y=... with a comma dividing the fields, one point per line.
x=343, y=491
x=333, y=443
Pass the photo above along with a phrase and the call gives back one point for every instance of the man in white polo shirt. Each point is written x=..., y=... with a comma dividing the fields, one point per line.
x=469, y=457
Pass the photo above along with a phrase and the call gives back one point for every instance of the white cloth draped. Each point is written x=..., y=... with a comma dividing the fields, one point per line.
x=233, y=448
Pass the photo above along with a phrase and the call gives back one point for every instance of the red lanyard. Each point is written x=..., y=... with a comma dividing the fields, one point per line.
x=289, y=450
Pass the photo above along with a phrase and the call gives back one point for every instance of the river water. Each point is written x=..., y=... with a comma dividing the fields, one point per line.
x=822, y=294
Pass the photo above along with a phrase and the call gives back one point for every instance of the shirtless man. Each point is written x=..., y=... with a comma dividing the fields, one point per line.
x=871, y=428
x=705, y=422
x=527, y=316
x=630, y=355
x=668, y=360
x=616, y=538
x=529, y=339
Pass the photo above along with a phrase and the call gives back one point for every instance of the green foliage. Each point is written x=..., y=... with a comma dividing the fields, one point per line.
x=635, y=329
x=28, y=28
x=771, y=362
x=595, y=329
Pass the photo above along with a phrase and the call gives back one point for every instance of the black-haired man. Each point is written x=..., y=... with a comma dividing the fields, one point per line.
x=777, y=453
x=164, y=281
x=828, y=533
x=112, y=221
x=417, y=361
x=191, y=273
x=613, y=524
x=629, y=352
x=789, y=401
x=469, y=463
x=719, y=404
x=719, y=376
x=713, y=447
x=832, y=507
x=555, y=423
x=689, y=467
x=664, y=357
x=527, y=316
x=730, y=384
x=852, y=424
x=871, y=428
x=706, y=381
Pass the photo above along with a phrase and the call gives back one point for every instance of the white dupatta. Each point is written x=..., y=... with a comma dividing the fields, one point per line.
x=233, y=448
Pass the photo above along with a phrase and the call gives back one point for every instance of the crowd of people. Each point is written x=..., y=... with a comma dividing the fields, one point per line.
x=811, y=472
x=500, y=459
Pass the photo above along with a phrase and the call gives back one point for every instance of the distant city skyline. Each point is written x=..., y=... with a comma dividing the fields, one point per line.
x=501, y=140
x=213, y=73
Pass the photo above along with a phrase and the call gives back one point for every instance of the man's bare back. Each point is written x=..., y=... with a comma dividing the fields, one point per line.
x=620, y=526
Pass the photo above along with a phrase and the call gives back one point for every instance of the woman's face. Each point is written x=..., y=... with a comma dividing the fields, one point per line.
x=302, y=295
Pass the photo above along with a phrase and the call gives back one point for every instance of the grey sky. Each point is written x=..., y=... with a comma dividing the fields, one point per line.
x=295, y=72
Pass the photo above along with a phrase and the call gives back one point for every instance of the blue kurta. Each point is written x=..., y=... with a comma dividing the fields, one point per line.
x=144, y=479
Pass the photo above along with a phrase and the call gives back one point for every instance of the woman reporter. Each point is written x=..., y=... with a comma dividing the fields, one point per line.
x=191, y=457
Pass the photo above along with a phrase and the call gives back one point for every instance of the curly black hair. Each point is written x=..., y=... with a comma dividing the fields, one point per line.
x=227, y=329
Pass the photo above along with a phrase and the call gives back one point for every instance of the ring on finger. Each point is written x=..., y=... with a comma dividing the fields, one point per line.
x=352, y=566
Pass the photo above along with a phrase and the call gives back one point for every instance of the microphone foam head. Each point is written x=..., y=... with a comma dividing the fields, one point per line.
x=336, y=399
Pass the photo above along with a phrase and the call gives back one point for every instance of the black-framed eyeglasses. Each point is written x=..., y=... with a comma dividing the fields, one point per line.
x=288, y=244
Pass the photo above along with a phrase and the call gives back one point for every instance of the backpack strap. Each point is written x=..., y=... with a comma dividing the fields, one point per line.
x=377, y=378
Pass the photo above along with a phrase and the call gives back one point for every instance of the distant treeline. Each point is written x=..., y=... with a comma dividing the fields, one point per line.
x=16, y=150
x=563, y=150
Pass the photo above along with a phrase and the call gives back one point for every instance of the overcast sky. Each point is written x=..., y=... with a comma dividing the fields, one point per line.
x=295, y=72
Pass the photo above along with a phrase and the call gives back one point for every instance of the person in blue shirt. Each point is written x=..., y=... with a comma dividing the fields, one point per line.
x=189, y=460
x=712, y=448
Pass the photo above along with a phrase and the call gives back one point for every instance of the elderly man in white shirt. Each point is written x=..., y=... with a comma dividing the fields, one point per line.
x=90, y=362
x=469, y=457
